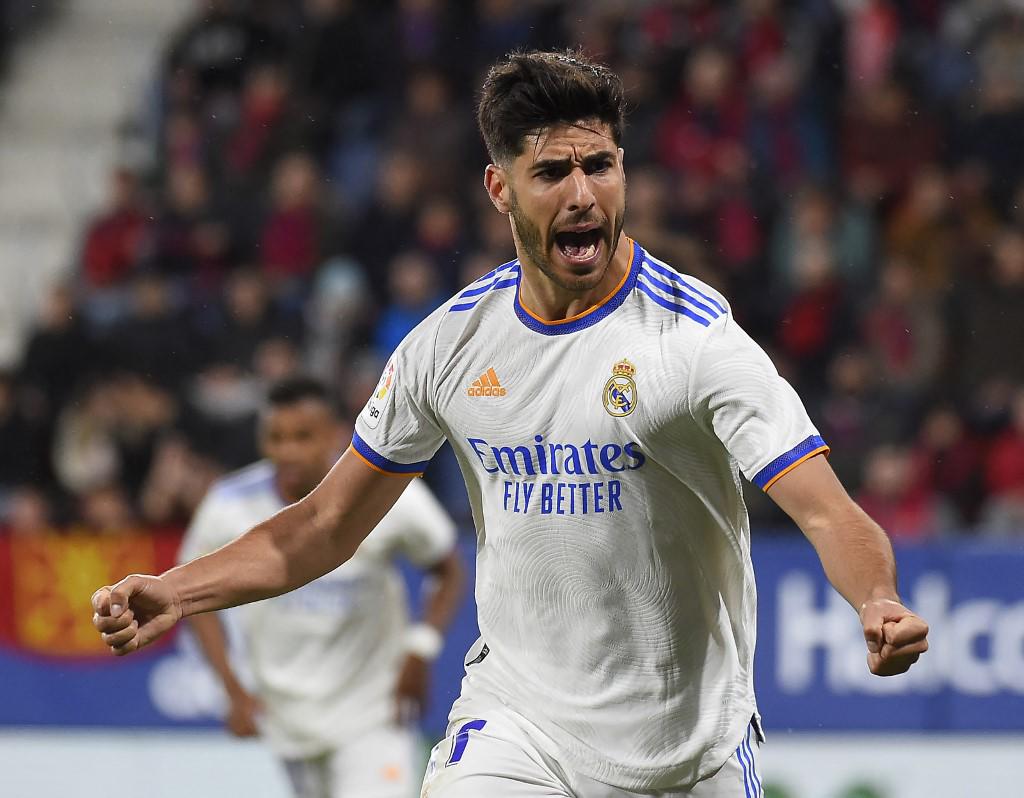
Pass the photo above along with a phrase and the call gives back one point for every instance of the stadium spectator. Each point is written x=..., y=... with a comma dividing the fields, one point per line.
x=213, y=52
x=895, y=495
x=851, y=412
x=22, y=442
x=950, y=458
x=189, y=240
x=988, y=129
x=146, y=413
x=815, y=318
x=991, y=315
x=85, y=454
x=441, y=236
x=415, y=294
x=60, y=353
x=1004, y=474
x=249, y=316
x=176, y=482
x=430, y=126
x=113, y=241
x=388, y=225
x=262, y=128
x=106, y=510
x=815, y=217
x=765, y=139
x=702, y=130
x=222, y=400
x=154, y=338
x=885, y=140
x=26, y=511
x=785, y=133
x=921, y=229
x=904, y=333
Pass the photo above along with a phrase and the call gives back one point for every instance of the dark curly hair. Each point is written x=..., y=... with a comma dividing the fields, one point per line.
x=530, y=91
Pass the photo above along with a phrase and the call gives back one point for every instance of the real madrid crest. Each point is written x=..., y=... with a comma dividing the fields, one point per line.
x=620, y=394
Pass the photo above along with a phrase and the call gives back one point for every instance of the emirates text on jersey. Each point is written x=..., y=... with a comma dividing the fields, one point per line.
x=545, y=458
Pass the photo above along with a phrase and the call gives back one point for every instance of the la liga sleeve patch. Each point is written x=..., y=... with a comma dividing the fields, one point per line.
x=374, y=410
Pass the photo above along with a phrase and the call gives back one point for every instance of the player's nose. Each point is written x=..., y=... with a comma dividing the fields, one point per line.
x=580, y=196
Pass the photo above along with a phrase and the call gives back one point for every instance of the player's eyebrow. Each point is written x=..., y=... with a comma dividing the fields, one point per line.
x=556, y=163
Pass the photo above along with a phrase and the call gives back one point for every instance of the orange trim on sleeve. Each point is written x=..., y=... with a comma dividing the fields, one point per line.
x=380, y=470
x=820, y=450
x=592, y=308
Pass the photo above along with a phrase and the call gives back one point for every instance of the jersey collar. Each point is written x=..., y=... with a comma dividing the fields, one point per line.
x=591, y=315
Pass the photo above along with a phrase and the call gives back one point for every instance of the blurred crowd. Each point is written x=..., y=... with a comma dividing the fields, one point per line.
x=848, y=172
x=18, y=18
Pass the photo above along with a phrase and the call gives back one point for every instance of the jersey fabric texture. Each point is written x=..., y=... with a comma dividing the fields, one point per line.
x=325, y=658
x=603, y=457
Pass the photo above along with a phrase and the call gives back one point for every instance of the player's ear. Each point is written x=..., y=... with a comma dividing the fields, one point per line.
x=496, y=184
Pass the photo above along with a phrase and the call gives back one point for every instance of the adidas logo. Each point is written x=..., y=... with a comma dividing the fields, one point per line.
x=487, y=385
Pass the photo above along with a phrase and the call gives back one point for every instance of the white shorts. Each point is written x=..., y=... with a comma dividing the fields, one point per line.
x=493, y=757
x=383, y=763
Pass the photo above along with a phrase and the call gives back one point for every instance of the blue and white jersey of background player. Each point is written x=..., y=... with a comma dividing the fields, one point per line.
x=325, y=658
x=603, y=457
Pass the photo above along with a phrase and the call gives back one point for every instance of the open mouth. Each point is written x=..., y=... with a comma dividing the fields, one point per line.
x=579, y=245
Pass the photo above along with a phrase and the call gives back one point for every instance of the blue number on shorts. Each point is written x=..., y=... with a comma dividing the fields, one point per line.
x=462, y=740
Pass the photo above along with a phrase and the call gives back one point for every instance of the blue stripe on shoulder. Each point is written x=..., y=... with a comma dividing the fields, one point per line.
x=505, y=276
x=677, y=292
x=672, y=274
x=676, y=308
x=481, y=286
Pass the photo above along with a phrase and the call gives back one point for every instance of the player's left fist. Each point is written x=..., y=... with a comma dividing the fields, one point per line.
x=895, y=636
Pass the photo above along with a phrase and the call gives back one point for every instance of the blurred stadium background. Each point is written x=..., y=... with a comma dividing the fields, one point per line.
x=197, y=198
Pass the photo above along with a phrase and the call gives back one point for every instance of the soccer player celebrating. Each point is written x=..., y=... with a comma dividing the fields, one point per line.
x=603, y=407
x=339, y=673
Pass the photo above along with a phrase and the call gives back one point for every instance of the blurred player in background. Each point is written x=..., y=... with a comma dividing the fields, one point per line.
x=603, y=407
x=340, y=675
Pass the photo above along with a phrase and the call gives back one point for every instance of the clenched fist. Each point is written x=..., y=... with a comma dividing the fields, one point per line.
x=134, y=612
x=895, y=636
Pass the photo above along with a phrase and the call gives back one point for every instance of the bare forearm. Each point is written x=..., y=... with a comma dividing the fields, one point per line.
x=445, y=593
x=856, y=555
x=273, y=557
x=209, y=632
x=302, y=542
x=854, y=551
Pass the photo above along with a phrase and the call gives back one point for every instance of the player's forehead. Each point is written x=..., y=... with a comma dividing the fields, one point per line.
x=301, y=413
x=568, y=141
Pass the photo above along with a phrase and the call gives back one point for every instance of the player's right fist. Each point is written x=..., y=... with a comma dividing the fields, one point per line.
x=134, y=612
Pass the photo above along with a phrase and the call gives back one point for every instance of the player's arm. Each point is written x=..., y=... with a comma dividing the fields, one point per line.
x=858, y=560
x=445, y=581
x=300, y=543
x=243, y=706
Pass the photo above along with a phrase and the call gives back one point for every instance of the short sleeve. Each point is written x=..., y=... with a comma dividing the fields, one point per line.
x=397, y=432
x=208, y=531
x=426, y=533
x=737, y=394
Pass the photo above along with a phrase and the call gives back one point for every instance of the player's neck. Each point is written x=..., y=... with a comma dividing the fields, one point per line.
x=290, y=495
x=551, y=302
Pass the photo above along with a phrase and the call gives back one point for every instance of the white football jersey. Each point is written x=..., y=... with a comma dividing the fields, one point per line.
x=325, y=658
x=603, y=456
